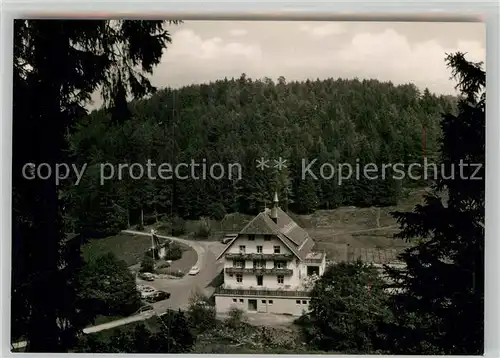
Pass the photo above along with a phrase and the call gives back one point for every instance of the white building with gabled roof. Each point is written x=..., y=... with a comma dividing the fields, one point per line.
x=269, y=266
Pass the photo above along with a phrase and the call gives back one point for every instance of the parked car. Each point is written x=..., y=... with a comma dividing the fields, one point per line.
x=194, y=270
x=163, y=295
x=147, y=295
x=146, y=276
x=146, y=310
x=157, y=296
x=145, y=288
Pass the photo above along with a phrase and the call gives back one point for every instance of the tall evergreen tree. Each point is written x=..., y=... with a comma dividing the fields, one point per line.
x=58, y=64
x=440, y=307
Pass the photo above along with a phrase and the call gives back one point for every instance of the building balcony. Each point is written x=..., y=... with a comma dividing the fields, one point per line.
x=254, y=256
x=259, y=271
x=261, y=292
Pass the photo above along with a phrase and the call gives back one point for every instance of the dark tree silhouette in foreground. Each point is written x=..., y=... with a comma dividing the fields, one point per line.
x=441, y=310
x=58, y=64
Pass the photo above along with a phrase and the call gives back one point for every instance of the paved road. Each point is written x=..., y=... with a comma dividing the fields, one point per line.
x=119, y=322
x=182, y=289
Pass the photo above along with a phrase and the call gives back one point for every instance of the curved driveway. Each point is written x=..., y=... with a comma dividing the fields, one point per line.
x=181, y=289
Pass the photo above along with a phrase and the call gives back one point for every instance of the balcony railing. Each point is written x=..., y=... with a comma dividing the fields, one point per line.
x=254, y=256
x=271, y=293
x=259, y=271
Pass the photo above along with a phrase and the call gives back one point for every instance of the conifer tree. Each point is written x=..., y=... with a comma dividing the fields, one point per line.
x=58, y=64
x=441, y=307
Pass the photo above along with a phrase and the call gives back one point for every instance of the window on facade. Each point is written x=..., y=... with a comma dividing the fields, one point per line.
x=242, y=249
x=279, y=264
x=259, y=249
x=297, y=302
x=281, y=279
x=239, y=263
x=251, y=237
x=277, y=249
x=235, y=300
x=270, y=302
x=267, y=237
x=258, y=264
x=241, y=300
x=304, y=302
x=264, y=301
x=239, y=278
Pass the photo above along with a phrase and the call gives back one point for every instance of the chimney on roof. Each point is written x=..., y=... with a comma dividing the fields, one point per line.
x=274, y=210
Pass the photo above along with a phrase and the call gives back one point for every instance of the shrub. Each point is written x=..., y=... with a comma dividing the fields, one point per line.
x=348, y=309
x=217, y=211
x=204, y=229
x=202, y=315
x=108, y=287
x=163, y=265
x=177, y=273
x=149, y=220
x=178, y=226
x=153, y=254
x=303, y=320
x=147, y=264
x=173, y=251
x=236, y=317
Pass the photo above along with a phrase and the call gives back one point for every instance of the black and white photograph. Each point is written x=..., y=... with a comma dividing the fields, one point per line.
x=248, y=187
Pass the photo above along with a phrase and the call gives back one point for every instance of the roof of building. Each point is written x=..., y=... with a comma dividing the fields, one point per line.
x=315, y=255
x=292, y=235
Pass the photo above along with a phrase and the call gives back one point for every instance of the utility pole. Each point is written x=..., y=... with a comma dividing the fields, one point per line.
x=153, y=241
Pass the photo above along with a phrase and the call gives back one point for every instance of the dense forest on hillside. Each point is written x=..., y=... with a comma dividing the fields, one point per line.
x=240, y=121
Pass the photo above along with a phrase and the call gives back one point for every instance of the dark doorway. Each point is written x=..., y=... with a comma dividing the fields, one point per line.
x=311, y=270
x=260, y=280
x=252, y=305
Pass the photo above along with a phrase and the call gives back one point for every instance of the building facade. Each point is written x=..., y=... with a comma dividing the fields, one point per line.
x=269, y=266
